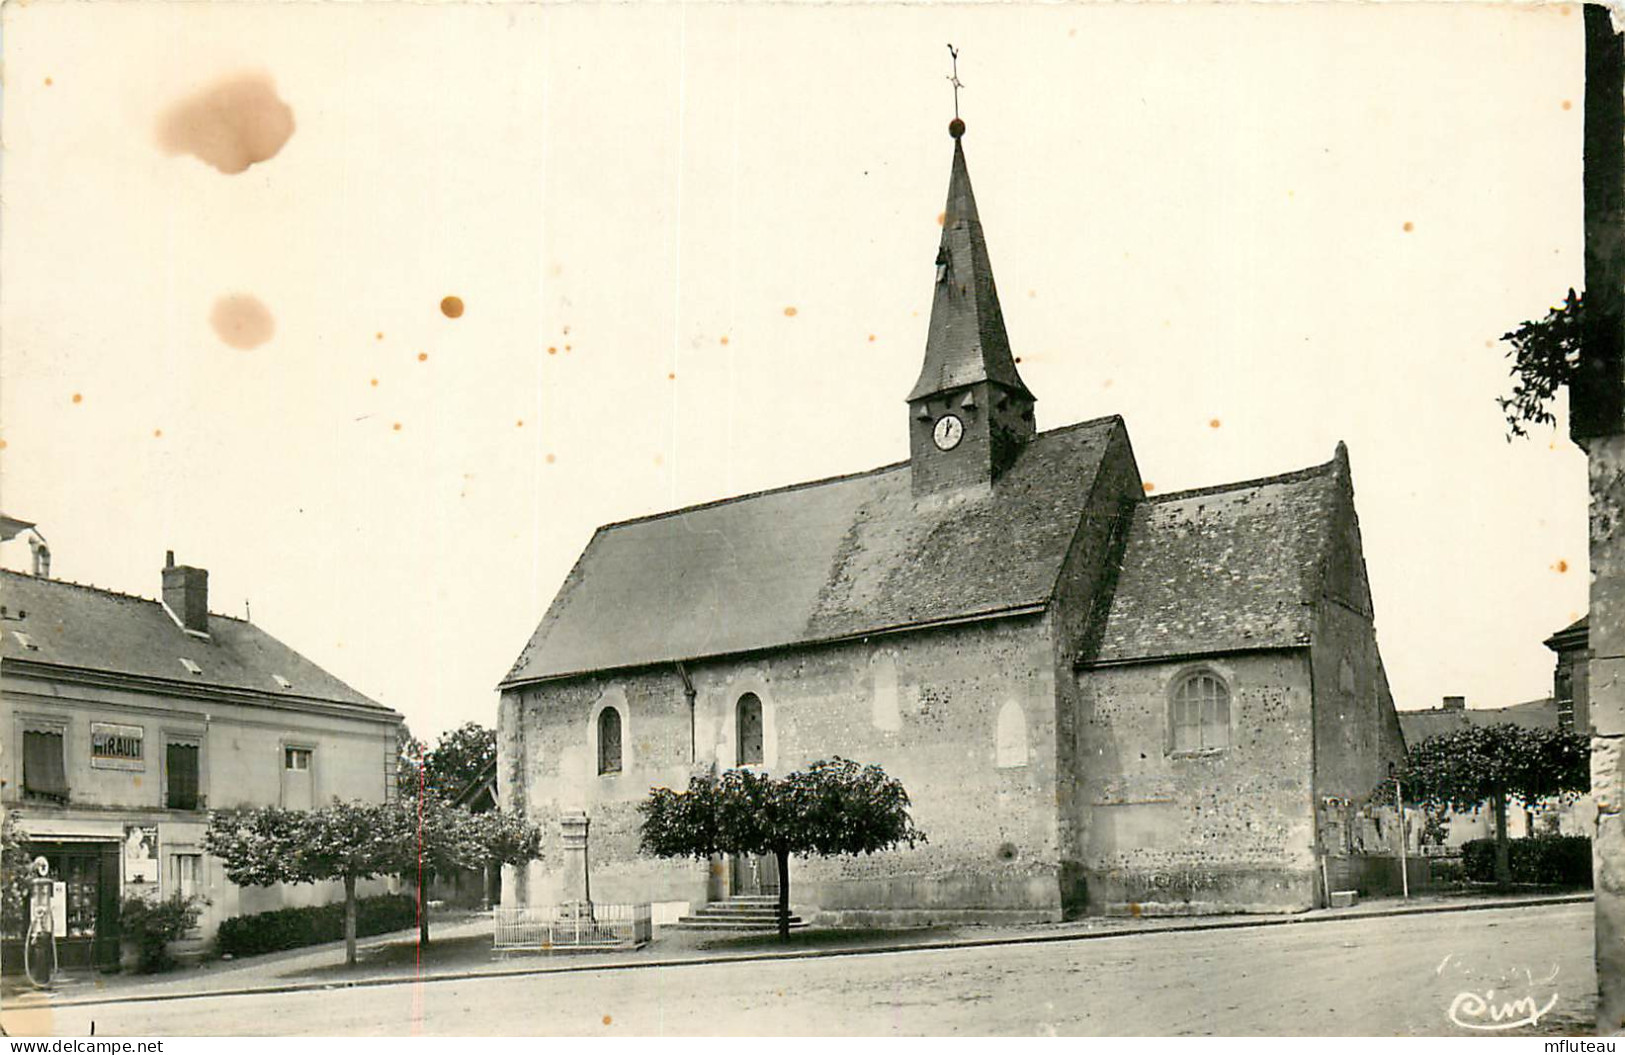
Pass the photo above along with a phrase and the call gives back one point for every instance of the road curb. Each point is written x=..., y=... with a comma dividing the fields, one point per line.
x=820, y=954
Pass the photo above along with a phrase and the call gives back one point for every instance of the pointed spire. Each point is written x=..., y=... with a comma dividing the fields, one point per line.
x=966, y=342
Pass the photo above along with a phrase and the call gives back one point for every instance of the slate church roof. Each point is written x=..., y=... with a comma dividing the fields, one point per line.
x=818, y=562
x=1224, y=569
x=51, y=623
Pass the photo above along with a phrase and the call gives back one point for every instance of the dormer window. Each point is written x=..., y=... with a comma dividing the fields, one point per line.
x=191, y=668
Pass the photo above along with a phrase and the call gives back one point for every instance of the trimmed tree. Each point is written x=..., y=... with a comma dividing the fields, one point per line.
x=1463, y=769
x=443, y=839
x=832, y=808
x=346, y=841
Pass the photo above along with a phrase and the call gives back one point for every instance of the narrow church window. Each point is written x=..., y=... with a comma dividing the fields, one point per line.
x=1200, y=717
x=609, y=741
x=750, y=729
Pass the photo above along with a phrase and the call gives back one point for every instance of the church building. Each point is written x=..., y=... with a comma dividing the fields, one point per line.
x=1098, y=700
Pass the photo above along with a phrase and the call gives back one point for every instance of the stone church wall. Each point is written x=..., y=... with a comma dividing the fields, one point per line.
x=964, y=716
x=1227, y=831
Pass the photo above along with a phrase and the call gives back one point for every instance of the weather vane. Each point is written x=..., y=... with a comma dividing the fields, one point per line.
x=956, y=127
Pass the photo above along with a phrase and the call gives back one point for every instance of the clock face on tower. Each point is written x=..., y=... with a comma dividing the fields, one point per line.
x=949, y=431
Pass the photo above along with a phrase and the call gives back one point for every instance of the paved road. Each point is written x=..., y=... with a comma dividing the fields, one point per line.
x=1395, y=975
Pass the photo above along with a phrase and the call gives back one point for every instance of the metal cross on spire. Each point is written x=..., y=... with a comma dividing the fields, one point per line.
x=953, y=53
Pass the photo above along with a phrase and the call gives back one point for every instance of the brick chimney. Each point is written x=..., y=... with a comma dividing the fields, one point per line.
x=186, y=594
x=1455, y=703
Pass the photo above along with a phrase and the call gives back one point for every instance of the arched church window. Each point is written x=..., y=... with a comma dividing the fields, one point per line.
x=609, y=741
x=1199, y=714
x=749, y=718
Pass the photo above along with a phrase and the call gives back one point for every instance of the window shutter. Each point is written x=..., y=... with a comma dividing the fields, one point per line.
x=43, y=771
x=181, y=767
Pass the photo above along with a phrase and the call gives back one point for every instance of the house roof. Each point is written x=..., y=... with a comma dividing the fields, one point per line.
x=817, y=562
x=82, y=627
x=1419, y=725
x=1224, y=569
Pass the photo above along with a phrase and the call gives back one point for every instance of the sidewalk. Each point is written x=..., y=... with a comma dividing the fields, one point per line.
x=461, y=949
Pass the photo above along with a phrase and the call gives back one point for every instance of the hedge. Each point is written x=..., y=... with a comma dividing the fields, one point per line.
x=294, y=928
x=1550, y=860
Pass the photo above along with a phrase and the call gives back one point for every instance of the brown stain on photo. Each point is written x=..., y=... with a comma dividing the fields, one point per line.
x=1409, y=227
x=78, y=398
x=423, y=357
x=1561, y=566
x=157, y=434
x=552, y=350
x=397, y=426
x=1149, y=486
x=790, y=312
x=550, y=459
x=723, y=339
x=451, y=307
x=375, y=382
x=236, y=122
x=1213, y=423
x=242, y=321
x=48, y=83
x=1567, y=105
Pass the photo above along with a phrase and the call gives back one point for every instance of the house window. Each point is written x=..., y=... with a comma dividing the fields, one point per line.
x=298, y=786
x=1199, y=718
x=749, y=717
x=45, y=776
x=609, y=741
x=188, y=872
x=181, y=775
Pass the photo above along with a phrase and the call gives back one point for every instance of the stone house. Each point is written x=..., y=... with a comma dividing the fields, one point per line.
x=127, y=719
x=1098, y=700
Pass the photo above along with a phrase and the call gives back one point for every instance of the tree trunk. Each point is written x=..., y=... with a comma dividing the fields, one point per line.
x=1503, y=857
x=784, y=893
x=349, y=921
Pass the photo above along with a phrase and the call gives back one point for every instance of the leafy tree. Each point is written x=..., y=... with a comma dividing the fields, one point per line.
x=1460, y=770
x=346, y=841
x=1545, y=354
x=455, y=762
x=15, y=864
x=832, y=808
x=442, y=839
x=418, y=837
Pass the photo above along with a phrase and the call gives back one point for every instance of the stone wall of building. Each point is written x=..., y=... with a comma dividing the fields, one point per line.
x=1356, y=727
x=1226, y=831
x=1083, y=592
x=964, y=716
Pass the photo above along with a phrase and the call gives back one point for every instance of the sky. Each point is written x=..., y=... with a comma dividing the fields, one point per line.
x=693, y=247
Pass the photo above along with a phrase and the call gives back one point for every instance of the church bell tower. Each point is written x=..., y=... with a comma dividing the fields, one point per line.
x=969, y=414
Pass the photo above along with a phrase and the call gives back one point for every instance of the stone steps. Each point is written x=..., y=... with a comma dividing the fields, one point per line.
x=748, y=913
